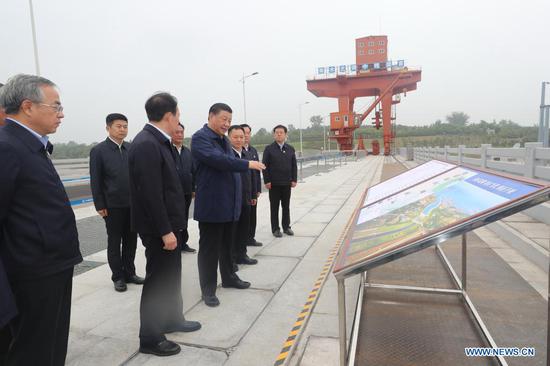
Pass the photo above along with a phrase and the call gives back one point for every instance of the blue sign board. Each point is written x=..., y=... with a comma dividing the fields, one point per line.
x=409, y=217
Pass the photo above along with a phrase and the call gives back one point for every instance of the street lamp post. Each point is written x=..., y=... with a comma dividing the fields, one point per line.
x=35, y=45
x=300, y=121
x=543, y=125
x=244, y=92
x=324, y=139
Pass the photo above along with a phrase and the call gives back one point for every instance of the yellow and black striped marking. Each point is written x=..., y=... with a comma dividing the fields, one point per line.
x=310, y=302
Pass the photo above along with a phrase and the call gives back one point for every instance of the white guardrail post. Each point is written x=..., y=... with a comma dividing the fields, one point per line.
x=461, y=154
x=530, y=162
x=483, y=155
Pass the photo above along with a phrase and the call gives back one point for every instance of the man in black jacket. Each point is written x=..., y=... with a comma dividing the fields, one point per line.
x=39, y=238
x=252, y=154
x=158, y=215
x=185, y=172
x=111, y=192
x=241, y=229
x=280, y=175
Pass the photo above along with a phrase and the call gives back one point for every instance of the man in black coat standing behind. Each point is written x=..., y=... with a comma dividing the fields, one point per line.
x=111, y=193
x=185, y=171
x=158, y=215
x=252, y=154
x=280, y=175
x=241, y=229
x=39, y=246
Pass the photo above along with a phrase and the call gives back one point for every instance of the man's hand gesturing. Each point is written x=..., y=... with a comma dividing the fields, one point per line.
x=256, y=165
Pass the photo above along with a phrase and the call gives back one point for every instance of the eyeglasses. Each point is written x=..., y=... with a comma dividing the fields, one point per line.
x=57, y=107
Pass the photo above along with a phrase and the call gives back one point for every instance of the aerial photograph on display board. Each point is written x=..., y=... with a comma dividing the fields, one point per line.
x=406, y=180
x=425, y=208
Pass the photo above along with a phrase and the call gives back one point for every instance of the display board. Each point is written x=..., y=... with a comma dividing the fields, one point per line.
x=433, y=205
x=407, y=179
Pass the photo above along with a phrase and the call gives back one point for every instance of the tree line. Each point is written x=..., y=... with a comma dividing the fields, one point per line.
x=457, y=129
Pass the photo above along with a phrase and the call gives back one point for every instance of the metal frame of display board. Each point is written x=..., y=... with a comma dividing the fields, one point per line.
x=462, y=228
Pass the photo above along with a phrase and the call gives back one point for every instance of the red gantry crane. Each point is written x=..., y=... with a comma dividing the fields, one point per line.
x=371, y=76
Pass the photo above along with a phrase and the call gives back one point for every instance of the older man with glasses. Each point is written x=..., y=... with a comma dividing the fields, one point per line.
x=39, y=238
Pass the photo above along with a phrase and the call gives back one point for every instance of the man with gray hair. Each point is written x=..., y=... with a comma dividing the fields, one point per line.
x=7, y=303
x=39, y=238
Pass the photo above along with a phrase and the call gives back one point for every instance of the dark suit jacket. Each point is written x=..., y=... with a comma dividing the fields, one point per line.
x=280, y=165
x=39, y=235
x=217, y=193
x=185, y=170
x=248, y=188
x=109, y=175
x=7, y=303
x=256, y=175
x=157, y=201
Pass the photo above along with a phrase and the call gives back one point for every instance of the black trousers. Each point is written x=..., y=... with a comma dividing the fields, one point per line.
x=118, y=231
x=5, y=340
x=185, y=233
x=241, y=233
x=161, y=302
x=215, y=247
x=280, y=195
x=252, y=226
x=40, y=332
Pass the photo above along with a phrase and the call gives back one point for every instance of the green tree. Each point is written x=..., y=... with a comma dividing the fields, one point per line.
x=458, y=119
x=262, y=132
x=316, y=121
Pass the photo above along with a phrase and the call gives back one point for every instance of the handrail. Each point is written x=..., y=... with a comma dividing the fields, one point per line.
x=532, y=161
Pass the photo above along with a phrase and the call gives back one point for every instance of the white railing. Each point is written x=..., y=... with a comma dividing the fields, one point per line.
x=532, y=161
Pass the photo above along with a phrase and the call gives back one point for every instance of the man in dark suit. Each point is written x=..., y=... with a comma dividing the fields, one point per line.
x=111, y=192
x=39, y=238
x=252, y=154
x=158, y=215
x=7, y=302
x=241, y=227
x=217, y=200
x=185, y=172
x=280, y=175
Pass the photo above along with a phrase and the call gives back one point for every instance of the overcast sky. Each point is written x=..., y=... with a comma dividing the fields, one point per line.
x=486, y=58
